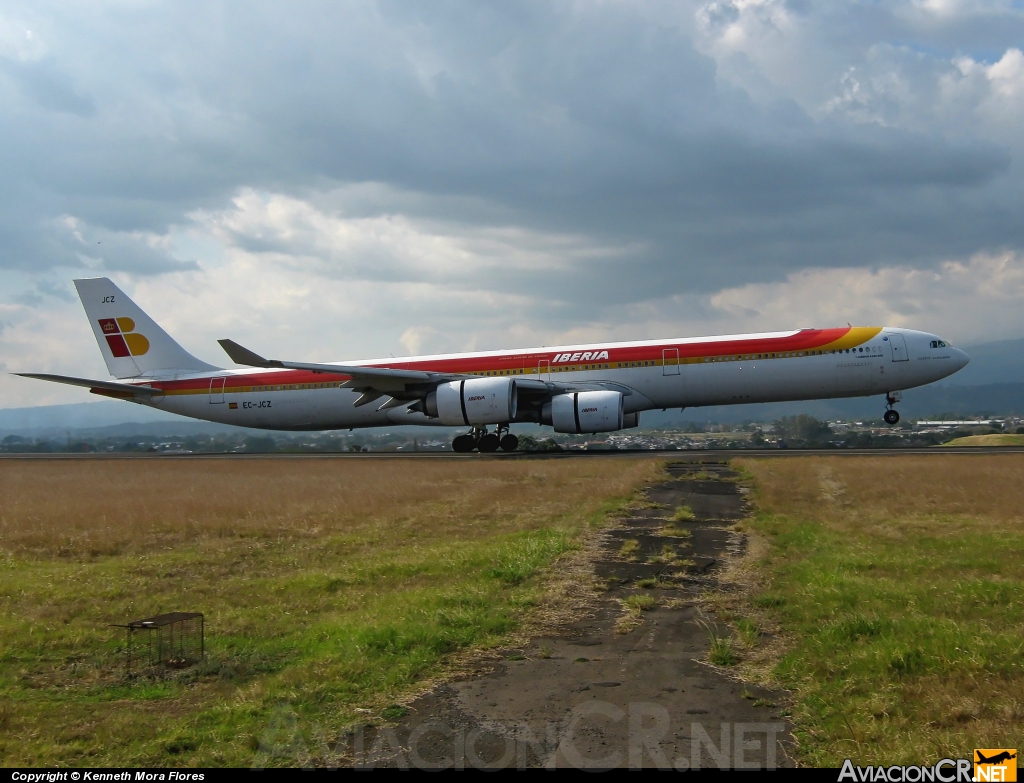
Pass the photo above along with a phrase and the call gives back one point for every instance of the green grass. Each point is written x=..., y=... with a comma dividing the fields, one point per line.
x=995, y=439
x=296, y=636
x=683, y=514
x=722, y=651
x=669, y=555
x=630, y=549
x=673, y=531
x=749, y=632
x=327, y=629
x=904, y=625
x=879, y=627
x=634, y=606
x=639, y=603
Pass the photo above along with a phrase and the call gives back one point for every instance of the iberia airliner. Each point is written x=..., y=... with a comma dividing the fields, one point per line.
x=573, y=388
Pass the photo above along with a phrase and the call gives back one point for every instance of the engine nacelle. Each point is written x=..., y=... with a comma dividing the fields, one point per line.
x=591, y=411
x=474, y=401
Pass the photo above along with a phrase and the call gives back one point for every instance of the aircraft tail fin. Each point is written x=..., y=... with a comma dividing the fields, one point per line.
x=131, y=342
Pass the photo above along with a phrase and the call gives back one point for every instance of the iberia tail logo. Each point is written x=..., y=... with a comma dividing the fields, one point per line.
x=122, y=338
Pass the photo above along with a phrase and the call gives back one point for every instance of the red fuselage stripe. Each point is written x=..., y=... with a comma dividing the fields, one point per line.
x=804, y=340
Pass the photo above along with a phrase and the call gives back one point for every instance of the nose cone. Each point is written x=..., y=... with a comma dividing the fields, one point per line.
x=961, y=359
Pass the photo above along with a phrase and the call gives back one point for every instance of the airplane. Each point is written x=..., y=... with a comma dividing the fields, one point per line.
x=577, y=389
x=996, y=759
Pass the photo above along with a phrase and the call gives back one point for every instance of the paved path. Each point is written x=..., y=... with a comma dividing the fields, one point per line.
x=593, y=696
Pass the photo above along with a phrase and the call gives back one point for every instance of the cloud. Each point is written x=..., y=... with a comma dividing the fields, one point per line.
x=386, y=246
x=48, y=87
x=479, y=174
x=258, y=300
x=970, y=301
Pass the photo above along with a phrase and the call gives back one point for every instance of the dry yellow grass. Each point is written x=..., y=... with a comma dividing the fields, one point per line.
x=82, y=509
x=942, y=490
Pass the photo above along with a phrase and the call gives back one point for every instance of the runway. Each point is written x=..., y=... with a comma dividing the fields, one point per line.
x=676, y=454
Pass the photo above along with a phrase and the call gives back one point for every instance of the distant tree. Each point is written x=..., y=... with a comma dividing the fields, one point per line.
x=802, y=427
x=261, y=443
x=529, y=443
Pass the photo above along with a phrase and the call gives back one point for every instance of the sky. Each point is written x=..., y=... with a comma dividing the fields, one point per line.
x=324, y=181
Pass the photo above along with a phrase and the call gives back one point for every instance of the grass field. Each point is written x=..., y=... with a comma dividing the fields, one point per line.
x=329, y=586
x=897, y=586
x=987, y=440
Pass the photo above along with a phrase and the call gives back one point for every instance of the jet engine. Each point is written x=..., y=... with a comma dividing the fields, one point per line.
x=474, y=401
x=591, y=411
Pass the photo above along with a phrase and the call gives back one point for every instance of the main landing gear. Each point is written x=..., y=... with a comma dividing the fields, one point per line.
x=892, y=416
x=486, y=442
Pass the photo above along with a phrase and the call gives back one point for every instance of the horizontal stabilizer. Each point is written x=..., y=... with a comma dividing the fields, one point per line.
x=104, y=388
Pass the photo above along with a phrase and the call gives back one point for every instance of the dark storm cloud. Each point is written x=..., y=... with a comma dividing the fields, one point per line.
x=48, y=87
x=601, y=120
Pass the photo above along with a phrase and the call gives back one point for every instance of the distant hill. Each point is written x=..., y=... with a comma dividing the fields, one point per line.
x=1002, y=399
x=52, y=420
x=987, y=440
x=1000, y=362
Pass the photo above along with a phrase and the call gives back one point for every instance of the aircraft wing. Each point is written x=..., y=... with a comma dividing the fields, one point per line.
x=404, y=386
x=125, y=391
x=381, y=379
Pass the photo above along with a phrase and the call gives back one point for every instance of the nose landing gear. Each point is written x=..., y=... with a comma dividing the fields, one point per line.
x=892, y=416
x=486, y=442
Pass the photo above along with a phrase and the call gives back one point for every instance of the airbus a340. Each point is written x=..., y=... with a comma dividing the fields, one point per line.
x=573, y=388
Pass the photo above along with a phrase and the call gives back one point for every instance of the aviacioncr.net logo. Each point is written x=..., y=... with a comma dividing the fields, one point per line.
x=995, y=764
x=122, y=338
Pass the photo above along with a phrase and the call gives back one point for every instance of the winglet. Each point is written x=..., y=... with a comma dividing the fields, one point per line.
x=241, y=355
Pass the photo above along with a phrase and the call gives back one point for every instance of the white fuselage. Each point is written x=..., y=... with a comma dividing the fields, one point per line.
x=798, y=365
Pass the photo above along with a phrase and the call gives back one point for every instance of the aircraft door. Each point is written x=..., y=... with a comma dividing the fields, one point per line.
x=899, y=347
x=217, y=390
x=544, y=370
x=670, y=361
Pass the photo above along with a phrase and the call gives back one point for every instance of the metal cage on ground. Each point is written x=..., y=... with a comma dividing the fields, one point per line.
x=174, y=640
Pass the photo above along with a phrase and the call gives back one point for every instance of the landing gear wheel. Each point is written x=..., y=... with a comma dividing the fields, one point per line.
x=891, y=417
x=509, y=443
x=463, y=444
x=488, y=443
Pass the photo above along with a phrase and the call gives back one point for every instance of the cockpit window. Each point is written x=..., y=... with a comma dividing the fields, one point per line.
x=938, y=344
